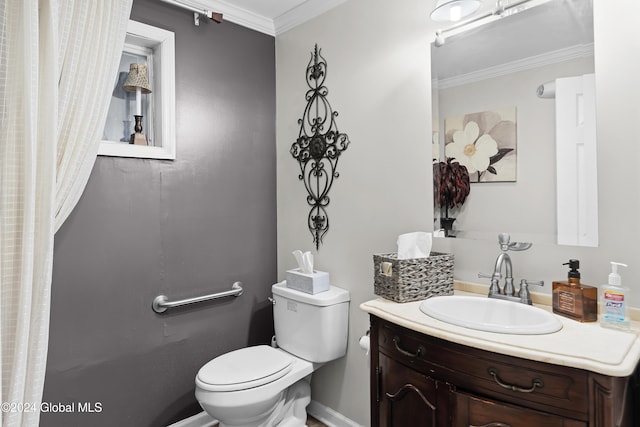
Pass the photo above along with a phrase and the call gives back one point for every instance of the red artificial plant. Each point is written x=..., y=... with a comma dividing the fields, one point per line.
x=451, y=184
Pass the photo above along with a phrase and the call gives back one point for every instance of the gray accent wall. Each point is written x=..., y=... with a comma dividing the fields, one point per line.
x=181, y=228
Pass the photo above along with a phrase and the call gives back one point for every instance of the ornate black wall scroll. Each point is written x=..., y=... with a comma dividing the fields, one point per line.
x=318, y=146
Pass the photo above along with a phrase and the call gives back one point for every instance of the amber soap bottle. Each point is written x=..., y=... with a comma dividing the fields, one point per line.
x=573, y=299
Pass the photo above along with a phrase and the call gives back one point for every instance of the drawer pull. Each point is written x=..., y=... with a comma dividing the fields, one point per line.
x=537, y=383
x=396, y=341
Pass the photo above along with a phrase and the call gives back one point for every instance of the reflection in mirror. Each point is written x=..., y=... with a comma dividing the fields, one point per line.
x=531, y=159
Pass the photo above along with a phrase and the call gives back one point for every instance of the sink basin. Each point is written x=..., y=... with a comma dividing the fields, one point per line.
x=491, y=315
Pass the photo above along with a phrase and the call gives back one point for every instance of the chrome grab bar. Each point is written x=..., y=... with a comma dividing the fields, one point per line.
x=161, y=303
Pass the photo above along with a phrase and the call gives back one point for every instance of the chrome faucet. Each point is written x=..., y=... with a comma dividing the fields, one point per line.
x=508, y=292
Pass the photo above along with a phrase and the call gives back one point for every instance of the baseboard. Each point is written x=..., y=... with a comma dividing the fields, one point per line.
x=329, y=416
x=317, y=410
x=198, y=420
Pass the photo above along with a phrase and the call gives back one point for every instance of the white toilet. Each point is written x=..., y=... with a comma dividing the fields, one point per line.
x=262, y=386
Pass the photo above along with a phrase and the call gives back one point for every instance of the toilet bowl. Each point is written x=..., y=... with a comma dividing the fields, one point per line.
x=247, y=386
x=263, y=386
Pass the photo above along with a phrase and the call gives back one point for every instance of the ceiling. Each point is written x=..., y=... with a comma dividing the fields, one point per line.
x=267, y=8
x=271, y=17
x=274, y=17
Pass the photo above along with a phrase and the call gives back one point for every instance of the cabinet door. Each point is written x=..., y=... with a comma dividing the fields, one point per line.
x=473, y=411
x=408, y=398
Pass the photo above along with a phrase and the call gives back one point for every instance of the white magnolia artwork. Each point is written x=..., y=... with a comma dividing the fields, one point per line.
x=485, y=143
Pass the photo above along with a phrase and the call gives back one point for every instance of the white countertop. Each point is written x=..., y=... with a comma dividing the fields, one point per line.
x=580, y=345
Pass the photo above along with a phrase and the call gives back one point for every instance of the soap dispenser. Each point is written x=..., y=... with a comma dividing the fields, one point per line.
x=573, y=299
x=614, y=301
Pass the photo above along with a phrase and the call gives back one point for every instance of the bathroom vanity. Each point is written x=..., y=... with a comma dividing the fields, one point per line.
x=430, y=373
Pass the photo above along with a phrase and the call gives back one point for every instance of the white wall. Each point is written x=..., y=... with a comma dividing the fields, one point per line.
x=379, y=81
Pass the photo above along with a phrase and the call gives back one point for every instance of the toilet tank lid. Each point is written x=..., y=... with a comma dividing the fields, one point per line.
x=334, y=295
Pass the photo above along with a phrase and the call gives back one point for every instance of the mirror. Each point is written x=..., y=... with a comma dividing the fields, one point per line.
x=485, y=83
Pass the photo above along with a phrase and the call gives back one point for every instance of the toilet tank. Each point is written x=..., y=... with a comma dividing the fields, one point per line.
x=312, y=327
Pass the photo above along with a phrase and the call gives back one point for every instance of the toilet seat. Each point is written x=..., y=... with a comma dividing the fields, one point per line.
x=244, y=368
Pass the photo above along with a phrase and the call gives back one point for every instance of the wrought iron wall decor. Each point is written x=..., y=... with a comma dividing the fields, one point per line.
x=318, y=146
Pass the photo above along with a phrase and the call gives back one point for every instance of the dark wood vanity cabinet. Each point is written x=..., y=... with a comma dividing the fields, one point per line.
x=409, y=397
x=419, y=380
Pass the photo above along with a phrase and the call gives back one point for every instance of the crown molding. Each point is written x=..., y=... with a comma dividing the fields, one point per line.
x=273, y=27
x=237, y=15
x=566, y=54
x=303, y=13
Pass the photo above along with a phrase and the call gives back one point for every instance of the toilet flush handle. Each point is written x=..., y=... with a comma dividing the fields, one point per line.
x=272, y=300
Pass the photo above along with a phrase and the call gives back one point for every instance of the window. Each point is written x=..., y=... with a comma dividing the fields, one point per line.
x=144, y=44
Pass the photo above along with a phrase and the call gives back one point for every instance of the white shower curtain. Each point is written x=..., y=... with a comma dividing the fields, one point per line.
x=58, y=63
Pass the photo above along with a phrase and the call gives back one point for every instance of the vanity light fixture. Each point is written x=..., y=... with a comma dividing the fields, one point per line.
x=214, y=16
x=454, y=10
x=500, y=11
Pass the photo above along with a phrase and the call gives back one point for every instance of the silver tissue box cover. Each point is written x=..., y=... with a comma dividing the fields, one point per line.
x=310, y=283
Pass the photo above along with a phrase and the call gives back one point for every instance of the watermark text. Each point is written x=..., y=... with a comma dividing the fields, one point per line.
x=52, y=407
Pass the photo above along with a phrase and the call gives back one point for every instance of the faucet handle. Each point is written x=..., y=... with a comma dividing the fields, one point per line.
x=528, y=282
x=523, y=293
x=494, y=289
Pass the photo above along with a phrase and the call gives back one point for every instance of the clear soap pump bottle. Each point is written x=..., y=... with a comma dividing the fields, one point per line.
x=614, y=301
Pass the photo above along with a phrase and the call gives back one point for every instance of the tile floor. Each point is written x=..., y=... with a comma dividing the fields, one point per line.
x=312, y=422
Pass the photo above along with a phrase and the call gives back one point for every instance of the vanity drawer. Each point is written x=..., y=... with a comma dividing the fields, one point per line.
x=514, y=380
x=476, y=411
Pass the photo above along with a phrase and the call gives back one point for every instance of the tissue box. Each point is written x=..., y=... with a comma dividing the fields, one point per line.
x=404, y=280
x=311, y=283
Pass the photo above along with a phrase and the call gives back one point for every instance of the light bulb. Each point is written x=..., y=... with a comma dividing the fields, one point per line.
x=455, y=13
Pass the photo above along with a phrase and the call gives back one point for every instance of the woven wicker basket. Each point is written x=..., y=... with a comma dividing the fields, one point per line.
x=413, y=279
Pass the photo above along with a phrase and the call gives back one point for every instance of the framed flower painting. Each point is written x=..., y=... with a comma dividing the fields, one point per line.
x=485, y=143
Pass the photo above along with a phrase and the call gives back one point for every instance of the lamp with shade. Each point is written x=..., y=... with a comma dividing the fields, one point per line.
x=138, y=82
